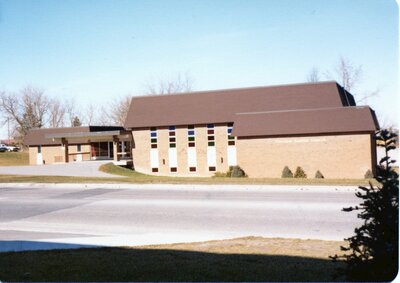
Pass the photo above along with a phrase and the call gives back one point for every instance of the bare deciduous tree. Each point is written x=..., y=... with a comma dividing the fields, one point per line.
x=36, y=106
x=348, y=75
x=179, y=84
x=71, y=111
x=11, y=108
x=90, y=117
x=56, y=114
x=313, y=76
x=117, y=111
x=26, y=110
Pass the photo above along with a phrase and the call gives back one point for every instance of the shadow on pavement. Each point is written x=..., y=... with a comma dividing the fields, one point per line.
x=19, y=245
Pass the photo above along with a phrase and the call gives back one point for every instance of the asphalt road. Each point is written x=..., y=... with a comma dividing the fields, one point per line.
x=38, y=217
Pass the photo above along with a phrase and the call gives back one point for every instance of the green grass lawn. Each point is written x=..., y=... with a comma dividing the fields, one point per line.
x=143, y=178
x=131, y=176
x=243, y=259
x=14, y=158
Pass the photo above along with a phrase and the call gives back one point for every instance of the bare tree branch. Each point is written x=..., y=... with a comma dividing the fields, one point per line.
x=367, y=95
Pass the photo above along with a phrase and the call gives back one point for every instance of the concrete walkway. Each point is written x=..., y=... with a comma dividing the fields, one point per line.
x=76, y=169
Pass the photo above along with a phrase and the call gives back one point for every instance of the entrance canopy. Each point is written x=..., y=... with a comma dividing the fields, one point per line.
x=106, y=142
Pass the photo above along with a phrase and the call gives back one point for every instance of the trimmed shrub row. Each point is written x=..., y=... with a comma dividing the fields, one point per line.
x=299, y=173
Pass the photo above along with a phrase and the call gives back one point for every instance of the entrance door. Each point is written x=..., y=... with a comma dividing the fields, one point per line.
x=101, y=150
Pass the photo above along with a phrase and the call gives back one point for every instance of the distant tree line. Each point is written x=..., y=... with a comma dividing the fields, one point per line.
x=32, y=108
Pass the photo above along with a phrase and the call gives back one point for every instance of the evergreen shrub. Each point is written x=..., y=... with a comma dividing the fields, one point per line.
x=368, y=174
x=287, y=173
x=319, y=175
x=300, y=173
x=236, y=172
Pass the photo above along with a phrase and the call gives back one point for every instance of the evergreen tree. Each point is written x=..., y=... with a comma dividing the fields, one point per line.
x=76, y=122
x=372, y=254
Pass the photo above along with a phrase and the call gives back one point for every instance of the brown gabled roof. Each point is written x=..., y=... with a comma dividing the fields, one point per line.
x=302, y=122
x=40, y=136
x=221, y=105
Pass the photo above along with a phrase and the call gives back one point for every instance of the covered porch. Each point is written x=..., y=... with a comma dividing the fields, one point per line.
x=115, y=145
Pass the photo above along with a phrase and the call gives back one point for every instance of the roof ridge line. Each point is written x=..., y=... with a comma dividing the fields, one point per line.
x=233, y=89
x=300, y=110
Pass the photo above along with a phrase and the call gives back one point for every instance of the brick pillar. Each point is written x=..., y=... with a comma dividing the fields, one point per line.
x=65, y=144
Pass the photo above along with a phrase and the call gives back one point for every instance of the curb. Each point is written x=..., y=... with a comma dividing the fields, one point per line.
x=197, y=187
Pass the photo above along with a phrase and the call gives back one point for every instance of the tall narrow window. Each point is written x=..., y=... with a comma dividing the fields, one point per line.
x=191, y=136
x=211, y=150
x=210, y=135
x=172, y=139
x=231, y=139
x=153, y=150
x=153, y=137
x=39, y=149
x=172, y=152
x=231, y=146
x=192, y=156
x=78, y=148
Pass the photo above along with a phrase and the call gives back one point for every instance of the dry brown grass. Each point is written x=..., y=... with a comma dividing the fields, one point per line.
x=259, y=245
x=14, y=158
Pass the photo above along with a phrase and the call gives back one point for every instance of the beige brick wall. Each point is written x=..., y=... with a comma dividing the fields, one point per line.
x=162, y=143
x=141, y=150
x=73, y=152
x=181, y=148
x=222, y=148
x=342, y=156
x=48, y=154
x=32, y=155
x=55, y=153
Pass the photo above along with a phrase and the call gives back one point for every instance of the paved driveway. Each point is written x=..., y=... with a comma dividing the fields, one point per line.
x=78, y=169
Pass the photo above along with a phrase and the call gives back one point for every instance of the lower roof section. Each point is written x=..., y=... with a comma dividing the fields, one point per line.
x=52, y=136
x=308, y=121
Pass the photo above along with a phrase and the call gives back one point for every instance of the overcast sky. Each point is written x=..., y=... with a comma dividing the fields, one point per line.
x=95, y=51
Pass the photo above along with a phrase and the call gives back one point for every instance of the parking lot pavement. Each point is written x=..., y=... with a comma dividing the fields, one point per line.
x=77, y=169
